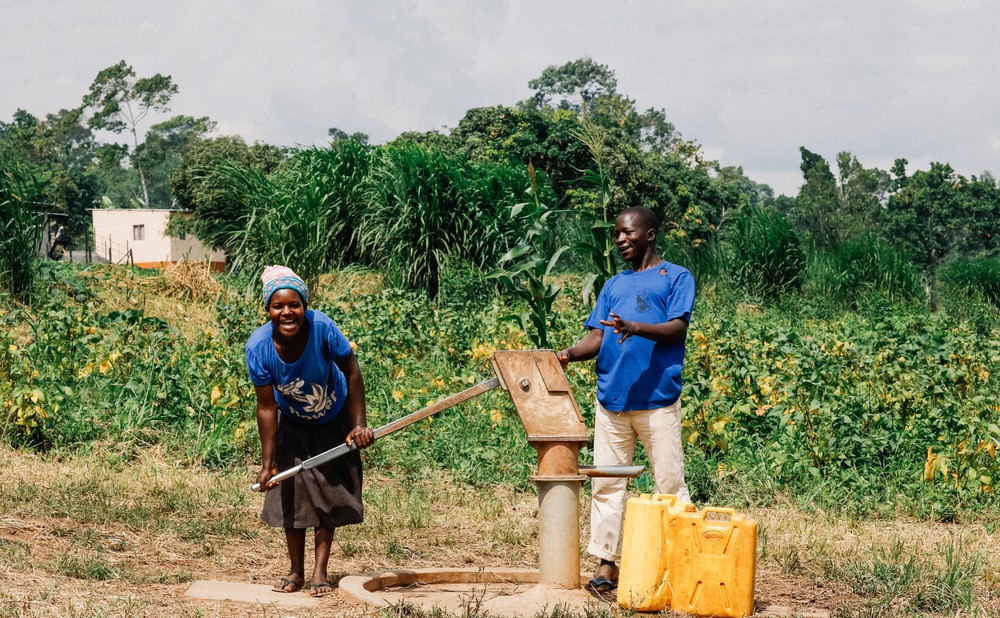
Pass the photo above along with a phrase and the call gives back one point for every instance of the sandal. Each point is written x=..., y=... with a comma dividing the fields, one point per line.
x=286, y=584
x=320, y=590
x=602, y=583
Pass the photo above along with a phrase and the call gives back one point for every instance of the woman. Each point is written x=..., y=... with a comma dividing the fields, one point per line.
x=310, y=398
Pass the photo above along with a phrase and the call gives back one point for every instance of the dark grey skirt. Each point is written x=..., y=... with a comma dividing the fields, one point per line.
x=328, y=496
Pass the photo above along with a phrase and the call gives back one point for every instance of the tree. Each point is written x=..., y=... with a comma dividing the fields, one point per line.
x=937, y=213
x=862, y=193
x=121, y=101
x=339, y=135
x=160, y=154
x=817, y=203
x=199, y=183
x=575, y=84
x=57, y=152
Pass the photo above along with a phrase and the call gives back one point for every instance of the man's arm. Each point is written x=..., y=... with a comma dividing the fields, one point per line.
x=585, y=349
x=671, y=331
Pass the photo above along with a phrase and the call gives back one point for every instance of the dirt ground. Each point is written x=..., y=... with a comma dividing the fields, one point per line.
x=34, y=591
x=90, y=565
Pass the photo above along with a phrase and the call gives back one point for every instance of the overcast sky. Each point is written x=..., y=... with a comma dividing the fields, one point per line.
x=749, y=81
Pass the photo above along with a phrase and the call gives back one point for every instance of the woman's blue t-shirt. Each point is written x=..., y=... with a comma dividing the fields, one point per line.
x=640, y=374
x=313, y=388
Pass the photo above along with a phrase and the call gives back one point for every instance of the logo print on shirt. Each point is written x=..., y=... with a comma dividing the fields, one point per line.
x=641, y=304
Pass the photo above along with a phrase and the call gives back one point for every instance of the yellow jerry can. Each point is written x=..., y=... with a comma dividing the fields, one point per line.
x=714, y=563
x=646, y=545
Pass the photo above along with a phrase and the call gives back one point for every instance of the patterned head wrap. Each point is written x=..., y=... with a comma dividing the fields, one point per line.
x=280, y=277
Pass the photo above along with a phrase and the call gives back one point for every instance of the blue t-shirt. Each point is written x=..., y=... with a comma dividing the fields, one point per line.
x=640, y=374
x=313, y=388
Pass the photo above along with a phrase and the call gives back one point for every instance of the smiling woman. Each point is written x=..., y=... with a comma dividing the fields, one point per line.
x=310, y=398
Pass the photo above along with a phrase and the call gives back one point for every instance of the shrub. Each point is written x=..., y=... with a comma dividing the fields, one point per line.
x=302, y=215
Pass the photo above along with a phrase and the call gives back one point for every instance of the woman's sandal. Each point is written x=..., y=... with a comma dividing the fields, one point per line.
x=286, y=584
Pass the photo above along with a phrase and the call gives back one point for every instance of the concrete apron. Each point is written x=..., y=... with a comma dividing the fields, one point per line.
x=503, y=592
x=255, y=594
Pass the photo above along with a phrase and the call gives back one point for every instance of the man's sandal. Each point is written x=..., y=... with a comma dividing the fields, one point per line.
x=602, y=584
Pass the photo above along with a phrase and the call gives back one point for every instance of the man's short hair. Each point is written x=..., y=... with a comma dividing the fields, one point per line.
x=644, y=216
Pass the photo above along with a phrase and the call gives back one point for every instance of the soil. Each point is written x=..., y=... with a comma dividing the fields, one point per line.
x=163, y=567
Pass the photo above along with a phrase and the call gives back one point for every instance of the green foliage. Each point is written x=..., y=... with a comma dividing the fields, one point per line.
x=705, y=258
x=575, y=84
x=57, y=152
x=863, y=271
x=526, y=273
x=201, y=183
x=767, y=258
x=886, y=410
x=834, y=209
x=158, y=156
x=599, y=249
x=304, y=215
x=119, y=101
x=423, y=207
x=938, y=213
x=972, y=278
x=76, y=361
x=20, y=232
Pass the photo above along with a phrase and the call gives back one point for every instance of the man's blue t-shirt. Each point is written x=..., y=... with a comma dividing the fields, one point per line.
x=313, y=388
x=640, y=374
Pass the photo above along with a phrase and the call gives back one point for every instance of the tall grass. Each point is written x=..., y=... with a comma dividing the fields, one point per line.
x=707, y=261
x=303, y=215
x=423, y=206
x=20, y=233
x=767, y=256
x=971, y=278
x=863, y=269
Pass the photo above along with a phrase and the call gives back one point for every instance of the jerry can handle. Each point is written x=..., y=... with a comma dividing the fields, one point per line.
x=714, y=509
x=671, y=498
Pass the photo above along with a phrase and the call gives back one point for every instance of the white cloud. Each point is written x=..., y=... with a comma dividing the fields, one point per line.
x=750, y=81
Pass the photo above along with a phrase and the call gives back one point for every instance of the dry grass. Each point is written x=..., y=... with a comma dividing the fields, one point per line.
x=183, y=294
x=188, y=280
x=97, y=536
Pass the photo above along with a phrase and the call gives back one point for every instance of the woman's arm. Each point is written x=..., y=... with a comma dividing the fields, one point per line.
x=267, y=427
x=360, y=433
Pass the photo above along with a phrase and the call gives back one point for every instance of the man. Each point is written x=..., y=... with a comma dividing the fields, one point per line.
x=637, y=332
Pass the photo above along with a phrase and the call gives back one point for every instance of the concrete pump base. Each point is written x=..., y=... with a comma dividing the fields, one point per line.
x=504, y=592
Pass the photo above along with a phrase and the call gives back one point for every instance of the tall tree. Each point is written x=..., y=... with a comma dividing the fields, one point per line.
x=862, y=193
x=120, y=101
x=937, y=213
x=817, y=205
x=573, y=85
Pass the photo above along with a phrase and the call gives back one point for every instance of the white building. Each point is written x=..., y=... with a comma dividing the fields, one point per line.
x=117, y=231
